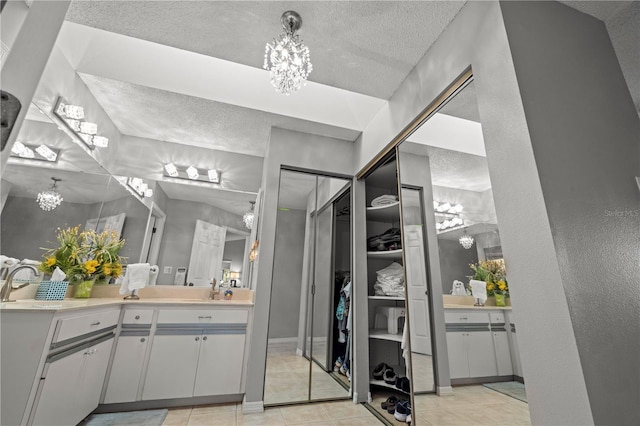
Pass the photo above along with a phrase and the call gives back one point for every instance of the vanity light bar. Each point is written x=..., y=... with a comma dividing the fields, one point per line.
x=73, y=117
x=34, y=152
x=191, y=172
x=140, y=187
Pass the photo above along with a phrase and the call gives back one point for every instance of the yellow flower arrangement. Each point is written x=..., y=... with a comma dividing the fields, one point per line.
x=492, y=272
x=85, y=255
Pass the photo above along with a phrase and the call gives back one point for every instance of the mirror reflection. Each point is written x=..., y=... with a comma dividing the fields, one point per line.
x=450, y=223
x=309, y=359
x=80, y=181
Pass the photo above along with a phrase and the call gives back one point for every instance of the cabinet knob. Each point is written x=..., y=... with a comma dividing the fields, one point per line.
x=204, y=338
x=205, y=317
x=137, y=316
x=197, y=338
x=142, y=339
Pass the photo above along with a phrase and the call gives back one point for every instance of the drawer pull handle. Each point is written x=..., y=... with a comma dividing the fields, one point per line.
x=95, y=323
x=137, y=316
x=197, y=338
x=204, y=338
x=205, y=317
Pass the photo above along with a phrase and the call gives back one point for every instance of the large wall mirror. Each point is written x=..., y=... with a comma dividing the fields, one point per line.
x=196, y=233
x=449, y=223
x=309, y=346
x=89, y=194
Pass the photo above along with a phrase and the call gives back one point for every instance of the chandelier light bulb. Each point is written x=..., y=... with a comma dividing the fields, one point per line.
x=287, y=58
x=466, y=241
x=50, y=199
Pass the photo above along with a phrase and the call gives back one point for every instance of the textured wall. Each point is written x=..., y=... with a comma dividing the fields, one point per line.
x=585, y=137
x=234, y=251
x=454, y=263
x=135, y=224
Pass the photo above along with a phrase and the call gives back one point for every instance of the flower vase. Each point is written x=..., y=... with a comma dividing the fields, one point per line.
x=500, y=300
x=83, y=288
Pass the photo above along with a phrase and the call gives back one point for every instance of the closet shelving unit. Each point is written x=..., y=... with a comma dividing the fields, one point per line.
x=383, y=346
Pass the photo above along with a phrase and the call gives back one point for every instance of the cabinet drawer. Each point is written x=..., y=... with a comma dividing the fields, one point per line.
x=466, y=317
x=203, y=316
x=137, y=316
x=497, y=318
x=69, y=328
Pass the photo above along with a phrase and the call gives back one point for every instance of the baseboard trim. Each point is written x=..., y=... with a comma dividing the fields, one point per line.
x=277, y=340
x=252, y=407
x=444, y=390
x=298, y=351
x=167, y=403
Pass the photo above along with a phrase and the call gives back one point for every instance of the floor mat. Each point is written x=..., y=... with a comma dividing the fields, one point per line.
x=137, y=418
x=513, y=389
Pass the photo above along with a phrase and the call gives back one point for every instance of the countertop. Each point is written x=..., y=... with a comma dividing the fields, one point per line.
x=471, y=307
x=467, y=302
x=31, y=305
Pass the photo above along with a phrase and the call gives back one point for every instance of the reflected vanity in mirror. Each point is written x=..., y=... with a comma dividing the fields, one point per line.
x=449, y=223
x=310, y=359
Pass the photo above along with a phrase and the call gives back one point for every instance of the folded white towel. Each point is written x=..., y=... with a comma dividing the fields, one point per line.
x=479, y=290
x=7, y=262
x=136, y=277
x=153, y=275
x=30, y=262
x=384, y=200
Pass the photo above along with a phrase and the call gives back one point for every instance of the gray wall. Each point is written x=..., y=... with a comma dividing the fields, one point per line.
x=454, y=262
x=25, y=227
x=585, y=136
x=180, y=224
x=287, y=274
x=234, y=251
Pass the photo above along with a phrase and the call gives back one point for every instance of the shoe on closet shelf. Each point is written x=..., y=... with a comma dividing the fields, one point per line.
x=403, y=384
x=403, y=410
x=378, y=372
x=390, y=404
x=389, y=377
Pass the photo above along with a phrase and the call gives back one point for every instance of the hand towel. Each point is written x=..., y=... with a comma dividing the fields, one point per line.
x=30, y=262
x=479, y=291
x=153, y=275
x=136, y=277
x=7, y=262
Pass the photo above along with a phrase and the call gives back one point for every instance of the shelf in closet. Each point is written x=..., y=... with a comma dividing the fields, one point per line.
x=401, y=299
x=384, y=384
x=382, y=334
x=386, y=254
x=386, y=213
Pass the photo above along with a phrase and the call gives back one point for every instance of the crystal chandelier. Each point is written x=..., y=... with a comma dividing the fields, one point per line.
x=50, y=199
x=287, y=58
x=247, y=218
x=466, y=240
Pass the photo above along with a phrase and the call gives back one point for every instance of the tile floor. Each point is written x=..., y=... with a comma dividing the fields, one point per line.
x=468, y=405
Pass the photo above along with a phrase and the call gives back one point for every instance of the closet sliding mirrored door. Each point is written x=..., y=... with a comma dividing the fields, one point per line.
x=312, y=261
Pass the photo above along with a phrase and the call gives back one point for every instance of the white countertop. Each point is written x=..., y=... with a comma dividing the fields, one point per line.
x=31, y=305
x=472, y=307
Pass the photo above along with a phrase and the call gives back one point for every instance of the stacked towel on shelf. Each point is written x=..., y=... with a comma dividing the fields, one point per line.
x=136, y=277
x=384, y=200
x=7, y=262
x=390, y=281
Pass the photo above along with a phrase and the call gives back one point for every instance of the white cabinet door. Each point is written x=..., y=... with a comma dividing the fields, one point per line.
x=515, y=355
x=416, y=274
x=126, y=369
x=219, y=365
x=457, y=348
x=503, y=354
x=172, y=367
x=60, y=390
x=94, y=374
x=481, y=355
x=72, y=386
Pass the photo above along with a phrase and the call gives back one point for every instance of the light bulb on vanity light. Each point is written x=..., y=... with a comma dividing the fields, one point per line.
x=171, y=169
x=192, y=172
x=100, y=141
x=46, y=152
x=88, y=128
x=214, y=176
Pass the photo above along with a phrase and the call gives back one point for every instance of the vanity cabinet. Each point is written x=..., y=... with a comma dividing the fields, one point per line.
x=71, y=380
x=471, y=354
x=196, y=353
x=129, y=356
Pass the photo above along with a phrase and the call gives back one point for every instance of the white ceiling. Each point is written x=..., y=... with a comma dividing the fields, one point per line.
x=188, y=75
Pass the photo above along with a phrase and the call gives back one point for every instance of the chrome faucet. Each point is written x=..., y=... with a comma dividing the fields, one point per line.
x=5, y=293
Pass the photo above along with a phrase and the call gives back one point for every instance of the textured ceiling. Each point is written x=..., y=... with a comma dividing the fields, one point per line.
x=366, y=47
x=233, y=202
